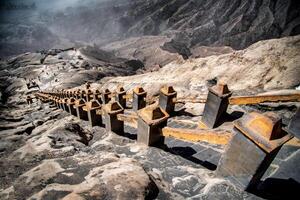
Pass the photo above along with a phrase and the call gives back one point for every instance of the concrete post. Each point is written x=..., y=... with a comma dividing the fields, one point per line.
x=111, y=110
x=215, y=106
x=83, y=95
x=139, y=98
x=121, y=96
x=78, y=94
x=167, y=98
x=106, y=96
x=256, y=140
x=59, y=103
x=97, y=96
x=93, y=116
x=56, y=101
x=52, y=102
x=73, y=94
x=64, y=104
x=89, y=95
x=81, y=114
x=29, y=100
x=72, y=109
x=151, y=120
x=87, y=85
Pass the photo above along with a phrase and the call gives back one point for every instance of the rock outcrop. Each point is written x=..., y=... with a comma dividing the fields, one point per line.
x=265, y=65
x=187, y=23
x=47, y=154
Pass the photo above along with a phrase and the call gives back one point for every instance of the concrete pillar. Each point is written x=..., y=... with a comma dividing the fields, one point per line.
x=106, y=96
x=93, y=108
x=89, y=95
x=139, y=98
x=57, y=102
x=81, y=114
x=216, y=105
x=256, y=140
x=63, y=94
x=167, y=98
x=97, y=96
x=83, y=95
x=61, y=106
x=29, y=100
x=78, y=94
x=151, y=120
x=65, y=104
x=71, y=104
x=121, y=96
x=72, y=93
x=52, y=103
x=111, y=111
x=87, y=85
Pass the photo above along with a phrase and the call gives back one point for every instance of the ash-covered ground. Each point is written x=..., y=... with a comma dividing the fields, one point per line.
x=48, y=154
x=45, y=153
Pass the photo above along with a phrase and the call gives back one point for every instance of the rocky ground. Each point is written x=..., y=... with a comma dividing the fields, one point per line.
x=47, y=154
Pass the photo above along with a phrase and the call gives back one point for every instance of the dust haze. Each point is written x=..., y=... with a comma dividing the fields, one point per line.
x=32, y=25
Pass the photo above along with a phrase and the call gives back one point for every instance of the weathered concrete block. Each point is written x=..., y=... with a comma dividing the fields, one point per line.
x=52, y=102
x=56, y=101
x=71, y=104
x=87, y=85
x=89, y=95
x=167, y=98
x=111, y=111
x=91, y=108
x=72, y=94
x=83, y=95
x=106, y=96
x=29, y=100
x=121, y=96
x=139, y=98
x=97, y=96
x=65, y=104
x=151, y=120
x=256, y=140
x=78, y=94
x=60, y=103
x=81, y=114
x=216, y=105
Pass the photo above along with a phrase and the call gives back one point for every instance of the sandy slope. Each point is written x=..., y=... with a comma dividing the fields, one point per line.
x=265, y=65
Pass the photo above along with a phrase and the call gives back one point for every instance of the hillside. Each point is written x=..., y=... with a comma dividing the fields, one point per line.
x=54, y=50
x=46, y=153
x=188, y=24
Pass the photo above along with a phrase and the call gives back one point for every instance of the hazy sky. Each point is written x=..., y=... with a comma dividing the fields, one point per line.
x=50, y=23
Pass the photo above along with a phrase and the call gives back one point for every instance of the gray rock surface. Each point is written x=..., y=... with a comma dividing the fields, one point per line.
x=47, y=154
x=188, y=23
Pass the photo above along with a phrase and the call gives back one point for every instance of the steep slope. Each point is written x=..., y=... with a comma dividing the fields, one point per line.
x=265, y=65
x=47, y=154
x=188, y=23
x=236, y=23
x=60, y=68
